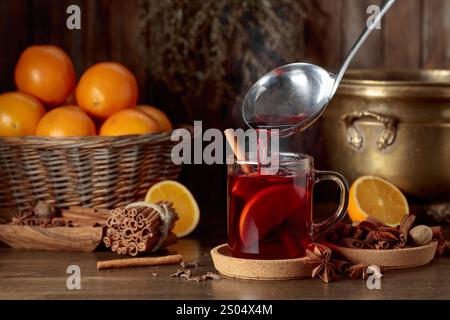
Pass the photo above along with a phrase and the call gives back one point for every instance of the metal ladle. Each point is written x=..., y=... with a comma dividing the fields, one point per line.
x=290, y=98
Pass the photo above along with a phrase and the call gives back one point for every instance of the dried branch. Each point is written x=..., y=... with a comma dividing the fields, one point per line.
x=214, y=50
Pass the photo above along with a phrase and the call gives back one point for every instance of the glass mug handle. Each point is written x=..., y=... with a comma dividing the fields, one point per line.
x=323, y=226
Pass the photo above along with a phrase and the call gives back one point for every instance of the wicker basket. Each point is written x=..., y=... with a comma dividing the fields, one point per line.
x=91, y=171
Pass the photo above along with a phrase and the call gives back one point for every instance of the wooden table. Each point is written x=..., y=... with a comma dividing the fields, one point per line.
x=42, y=275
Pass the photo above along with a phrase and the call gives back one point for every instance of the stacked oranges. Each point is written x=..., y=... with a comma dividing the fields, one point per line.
x=49, y=102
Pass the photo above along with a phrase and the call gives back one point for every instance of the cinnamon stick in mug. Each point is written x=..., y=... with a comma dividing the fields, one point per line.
x=139, y=262
x=238, y=150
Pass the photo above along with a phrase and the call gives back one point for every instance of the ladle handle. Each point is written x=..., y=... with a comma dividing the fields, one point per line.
x=362, y=38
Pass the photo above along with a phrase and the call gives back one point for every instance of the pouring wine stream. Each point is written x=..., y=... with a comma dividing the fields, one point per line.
x=291, y=97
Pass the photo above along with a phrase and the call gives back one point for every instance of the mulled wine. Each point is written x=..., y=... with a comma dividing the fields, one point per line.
x=269, y=217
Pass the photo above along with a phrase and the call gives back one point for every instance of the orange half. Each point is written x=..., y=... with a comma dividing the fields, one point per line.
x=376, y=197
x=183, y=201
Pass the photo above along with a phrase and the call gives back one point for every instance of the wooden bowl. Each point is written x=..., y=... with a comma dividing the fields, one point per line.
x=85, y=239
x=389, y=259
x=253, y=269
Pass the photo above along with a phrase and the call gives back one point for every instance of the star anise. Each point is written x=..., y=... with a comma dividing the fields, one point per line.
x=351, y=243
x=20, y=217
x=438, y=232
x=362, y=271
x=319, y=257
x=443, y=248
x=356, y=271
x=383, y=236
x=382, y=245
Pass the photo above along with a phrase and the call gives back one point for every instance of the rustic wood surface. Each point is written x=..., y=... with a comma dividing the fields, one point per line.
x=42, y=275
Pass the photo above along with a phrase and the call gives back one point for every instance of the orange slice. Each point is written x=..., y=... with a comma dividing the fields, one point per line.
x=183, y=201
x=267, y=209
x=378, y=198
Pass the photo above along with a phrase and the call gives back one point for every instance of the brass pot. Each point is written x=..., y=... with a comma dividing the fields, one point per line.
x=394, y=124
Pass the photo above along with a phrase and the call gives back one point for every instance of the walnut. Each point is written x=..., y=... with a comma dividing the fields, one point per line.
x=44, y=210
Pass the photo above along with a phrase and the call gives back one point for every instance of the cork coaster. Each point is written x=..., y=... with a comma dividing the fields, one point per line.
x=389, y=259
x=252, y=269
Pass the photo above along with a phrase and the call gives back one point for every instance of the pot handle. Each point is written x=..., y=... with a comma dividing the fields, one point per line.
x=355, y=138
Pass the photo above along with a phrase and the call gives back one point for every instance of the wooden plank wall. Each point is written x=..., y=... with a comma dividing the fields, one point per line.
x=415, y=34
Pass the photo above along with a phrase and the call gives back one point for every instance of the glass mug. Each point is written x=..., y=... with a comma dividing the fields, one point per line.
x=270, y=216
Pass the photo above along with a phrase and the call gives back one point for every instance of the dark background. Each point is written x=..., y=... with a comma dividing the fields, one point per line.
x=199, y=69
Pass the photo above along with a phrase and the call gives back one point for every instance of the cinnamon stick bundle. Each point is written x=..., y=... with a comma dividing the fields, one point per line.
x=136, y=230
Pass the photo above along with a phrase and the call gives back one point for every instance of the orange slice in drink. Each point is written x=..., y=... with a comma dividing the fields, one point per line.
x=183, y=201
x=377, y=198
x=267, y=209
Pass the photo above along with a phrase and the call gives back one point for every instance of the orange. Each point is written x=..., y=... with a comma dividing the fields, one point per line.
x=128, y=121
x=106, y=88
x=19, y=114
x=47, y=73
x=66, y=121
x=159, y=116
x=183, y=202
x=378, y=198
